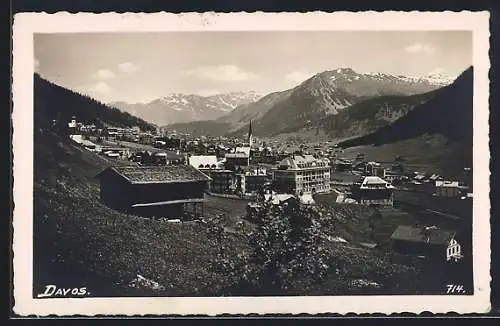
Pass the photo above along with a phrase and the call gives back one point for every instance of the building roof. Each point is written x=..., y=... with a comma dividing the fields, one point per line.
x=413, y=234
x=375, y=182
x=277, y=198
x=253, y=171
x=304, y=162
x=454, y=184
x=245, y=150
x=158, y=174
x=203, y=161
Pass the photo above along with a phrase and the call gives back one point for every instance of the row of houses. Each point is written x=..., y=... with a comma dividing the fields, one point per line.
x=173, y=192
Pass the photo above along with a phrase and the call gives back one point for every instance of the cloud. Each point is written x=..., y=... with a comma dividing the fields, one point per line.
x=128, y=67
x=420, y=48
x=298, y=76
x=226, y=73
x=103, y=74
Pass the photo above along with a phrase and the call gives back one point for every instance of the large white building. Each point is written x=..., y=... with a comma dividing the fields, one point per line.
x=303, y=174
x=203, y=161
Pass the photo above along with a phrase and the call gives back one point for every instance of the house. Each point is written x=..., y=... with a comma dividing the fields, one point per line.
x=72, y=123
x=244, y=150
x=236, y=161
x=373, y=190
x=303, y=174
x=436, y=177
x=155, y=191
x=274, y=199
x=222, y=180
x=449, y=188
x=419, y=177
x=277, y=199
x=374, y=169
x=252, y=179
x=342, y=165
x=425, y=241
x=77, y=138
x=392, y=177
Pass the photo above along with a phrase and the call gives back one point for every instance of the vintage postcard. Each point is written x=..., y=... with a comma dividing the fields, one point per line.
x=251, y=163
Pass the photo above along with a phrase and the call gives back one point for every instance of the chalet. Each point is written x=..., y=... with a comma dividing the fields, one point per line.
x=449, y=188
x=373, y=191
x=425, y=241
x=168, y=191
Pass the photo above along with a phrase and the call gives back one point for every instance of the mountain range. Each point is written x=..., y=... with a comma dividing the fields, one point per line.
x=312, y=103
x=177, y=107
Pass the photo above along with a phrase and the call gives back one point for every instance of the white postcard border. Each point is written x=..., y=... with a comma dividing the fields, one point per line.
x=26, y=24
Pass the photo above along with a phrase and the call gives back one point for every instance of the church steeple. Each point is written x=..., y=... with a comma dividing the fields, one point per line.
x=250, y=134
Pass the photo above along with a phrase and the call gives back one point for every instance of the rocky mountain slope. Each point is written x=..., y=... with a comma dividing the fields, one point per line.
x=331, y=92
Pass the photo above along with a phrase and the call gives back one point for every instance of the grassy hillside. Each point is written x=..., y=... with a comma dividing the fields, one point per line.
x=72, y=228
x=53, y=102
x=426, y=153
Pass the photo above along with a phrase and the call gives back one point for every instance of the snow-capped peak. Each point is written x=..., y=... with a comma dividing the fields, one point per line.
x=439, y=76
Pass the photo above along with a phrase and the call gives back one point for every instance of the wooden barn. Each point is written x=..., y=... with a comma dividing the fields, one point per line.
x=174, y=191
x=425, y=241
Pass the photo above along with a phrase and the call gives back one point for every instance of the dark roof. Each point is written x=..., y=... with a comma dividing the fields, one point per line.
x=413, y=234
x=159, y=174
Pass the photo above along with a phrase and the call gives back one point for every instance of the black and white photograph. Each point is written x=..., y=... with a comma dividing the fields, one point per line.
x=209, y=159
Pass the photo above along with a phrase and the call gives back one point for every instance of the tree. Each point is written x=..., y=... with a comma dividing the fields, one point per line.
x=285, y=247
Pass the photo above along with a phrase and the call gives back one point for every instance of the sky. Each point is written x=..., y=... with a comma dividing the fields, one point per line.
x=140, y=67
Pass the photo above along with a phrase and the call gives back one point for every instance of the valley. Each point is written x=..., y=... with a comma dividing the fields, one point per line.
x=340, y=121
